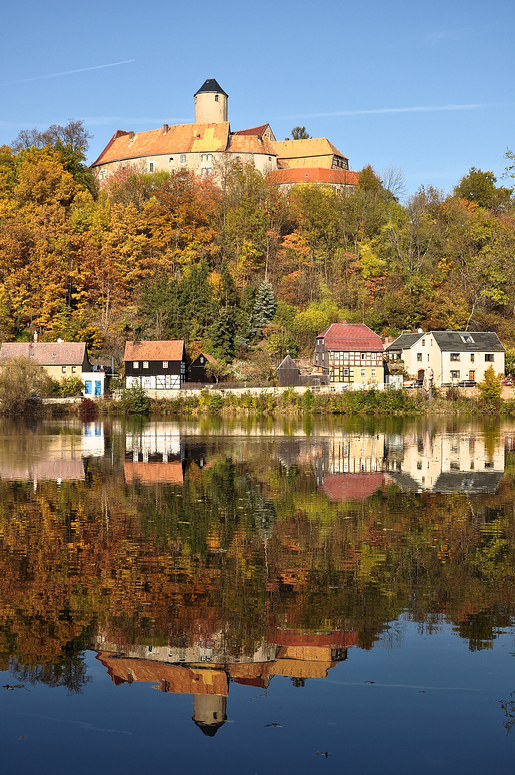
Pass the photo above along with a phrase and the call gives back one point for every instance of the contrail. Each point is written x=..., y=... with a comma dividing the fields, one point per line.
x=419, y=109
x=71, y=72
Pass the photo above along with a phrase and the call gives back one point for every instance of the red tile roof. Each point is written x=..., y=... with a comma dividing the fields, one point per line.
x=314, y=175
x=242, y=143
x=150, y=473
x=171, y=350
x=256, y=130
x=46, y=353
x=179, y=138
x=351, y=336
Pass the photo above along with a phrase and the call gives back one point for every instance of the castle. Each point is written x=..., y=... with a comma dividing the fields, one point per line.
x=205, y=145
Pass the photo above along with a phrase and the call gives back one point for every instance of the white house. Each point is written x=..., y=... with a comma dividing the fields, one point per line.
x=453, y=355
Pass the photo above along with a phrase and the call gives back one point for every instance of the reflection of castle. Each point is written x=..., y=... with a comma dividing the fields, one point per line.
x=465, y=461
x=205, y=670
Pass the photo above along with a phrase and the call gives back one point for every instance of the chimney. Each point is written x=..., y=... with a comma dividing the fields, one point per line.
x=131, y=135
x=165, y=129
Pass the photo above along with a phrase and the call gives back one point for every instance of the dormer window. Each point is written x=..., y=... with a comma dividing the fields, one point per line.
x=467, y=339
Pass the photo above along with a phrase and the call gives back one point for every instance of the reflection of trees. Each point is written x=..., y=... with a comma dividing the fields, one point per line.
x=243, y=547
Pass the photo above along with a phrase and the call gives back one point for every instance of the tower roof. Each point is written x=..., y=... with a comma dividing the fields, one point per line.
x=211, y=85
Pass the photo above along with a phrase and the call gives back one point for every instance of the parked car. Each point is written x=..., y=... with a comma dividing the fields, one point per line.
x=418, y=383
x=467, y=383
x=508, y=382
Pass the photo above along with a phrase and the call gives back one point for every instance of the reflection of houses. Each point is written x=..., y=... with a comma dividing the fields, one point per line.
x=448, y=462
x=60, y=360
x=156, y=453
x=349, y=466
x=59, y=458
x=452, y=355
x=205, y=670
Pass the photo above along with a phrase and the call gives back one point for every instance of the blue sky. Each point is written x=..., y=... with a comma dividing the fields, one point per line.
x=423, y=87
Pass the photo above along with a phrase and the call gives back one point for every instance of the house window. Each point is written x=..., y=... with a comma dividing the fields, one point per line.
x=145, y=364
x=423, y=342
x=419, y=356
x=345, y=372
x=455, y=356
x=63, y=369
x=455, y=375
x=151, y=166
x=373, y=372
x=74, y=369
x=206, y=170
x=135, y=364
x=363, y=373
x=183, y=158
x=472, y=357
x=165, y=364
x=489, y=357
x=202, y=359
x=363, y=356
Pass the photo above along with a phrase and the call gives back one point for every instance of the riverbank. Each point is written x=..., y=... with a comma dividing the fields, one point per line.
x=297, y=401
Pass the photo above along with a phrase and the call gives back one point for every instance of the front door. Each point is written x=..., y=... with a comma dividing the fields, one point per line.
x=472, y=375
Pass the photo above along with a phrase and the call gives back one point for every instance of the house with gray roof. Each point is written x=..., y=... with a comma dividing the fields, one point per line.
x=453, y=356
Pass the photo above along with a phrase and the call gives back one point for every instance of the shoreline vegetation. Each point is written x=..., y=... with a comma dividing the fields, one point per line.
x=287, y=401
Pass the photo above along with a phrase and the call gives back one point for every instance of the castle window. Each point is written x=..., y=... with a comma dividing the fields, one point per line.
x=183, y=158
x=216, y=97
x=170, y=160
x=151, y=166
x=102, y=174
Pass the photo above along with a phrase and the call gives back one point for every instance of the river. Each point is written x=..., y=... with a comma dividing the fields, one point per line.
x=257, y=596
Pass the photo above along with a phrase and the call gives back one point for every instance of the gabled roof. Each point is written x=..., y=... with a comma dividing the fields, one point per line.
x=314, y=146
x=404, y=341
x=179, y=138
x=481, y=340
x=288, y=363
x=452, y=341
x=256, y=130
x=351, y=336
x=170, y=350
x=46, y=353
x=314, y=175
x=212, y=86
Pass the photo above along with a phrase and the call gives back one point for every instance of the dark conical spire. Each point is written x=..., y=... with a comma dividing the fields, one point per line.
x=211, y=85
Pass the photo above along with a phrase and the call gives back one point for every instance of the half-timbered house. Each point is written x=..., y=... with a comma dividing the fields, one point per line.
x=155, y=365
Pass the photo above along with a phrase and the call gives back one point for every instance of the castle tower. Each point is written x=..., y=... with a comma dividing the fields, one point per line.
x=209, y=712
x=210, y=103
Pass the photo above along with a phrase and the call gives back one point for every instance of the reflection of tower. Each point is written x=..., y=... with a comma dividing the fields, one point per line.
x=209, y=712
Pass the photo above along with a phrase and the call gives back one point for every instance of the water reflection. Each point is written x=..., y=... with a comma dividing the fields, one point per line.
x=195, y=555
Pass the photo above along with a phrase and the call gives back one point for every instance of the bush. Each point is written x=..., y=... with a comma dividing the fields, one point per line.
x=134, y=400
x=21, y=382
x=87, y=408
x=70, y=386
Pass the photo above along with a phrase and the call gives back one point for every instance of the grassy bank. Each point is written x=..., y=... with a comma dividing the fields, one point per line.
x=291, y=402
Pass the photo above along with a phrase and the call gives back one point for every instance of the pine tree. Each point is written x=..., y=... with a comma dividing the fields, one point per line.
x=264, y=306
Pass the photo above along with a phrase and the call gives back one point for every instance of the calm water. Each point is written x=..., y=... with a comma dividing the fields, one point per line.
x=261, y=597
